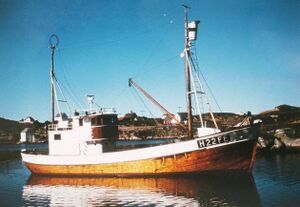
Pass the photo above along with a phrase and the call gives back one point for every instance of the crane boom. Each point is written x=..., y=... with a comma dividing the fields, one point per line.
x=163, y=109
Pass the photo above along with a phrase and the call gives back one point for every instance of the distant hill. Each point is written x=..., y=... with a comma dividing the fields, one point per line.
x=283, y=115
x=281, y=109
x=10, y=130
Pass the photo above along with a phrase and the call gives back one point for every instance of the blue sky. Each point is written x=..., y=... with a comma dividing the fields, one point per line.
x=249, y=52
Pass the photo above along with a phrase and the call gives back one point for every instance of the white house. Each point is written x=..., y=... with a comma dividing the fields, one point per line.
x=28, y=120
x=27, y=135
x=180, y=116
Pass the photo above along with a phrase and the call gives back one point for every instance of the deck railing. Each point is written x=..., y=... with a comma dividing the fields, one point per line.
x=94, y=111
x=55, y=127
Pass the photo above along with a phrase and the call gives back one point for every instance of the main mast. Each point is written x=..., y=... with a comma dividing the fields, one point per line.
x=188, y=74
x=53, y=42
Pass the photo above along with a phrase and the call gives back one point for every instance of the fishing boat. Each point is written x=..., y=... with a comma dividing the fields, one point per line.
x=85, y=144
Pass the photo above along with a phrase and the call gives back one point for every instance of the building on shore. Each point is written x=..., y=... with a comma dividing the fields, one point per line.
x=179, y=117
x=27, y=135
x=27, y=120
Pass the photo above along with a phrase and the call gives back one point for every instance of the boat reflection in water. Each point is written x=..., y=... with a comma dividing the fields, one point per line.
x=205, y=190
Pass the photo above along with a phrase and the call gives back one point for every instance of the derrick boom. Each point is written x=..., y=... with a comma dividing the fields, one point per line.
x=163, y=109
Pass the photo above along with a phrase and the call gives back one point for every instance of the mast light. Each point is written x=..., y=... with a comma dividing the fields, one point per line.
x=192, y=29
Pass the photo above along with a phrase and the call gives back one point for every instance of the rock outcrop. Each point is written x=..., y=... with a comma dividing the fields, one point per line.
x=280, y=129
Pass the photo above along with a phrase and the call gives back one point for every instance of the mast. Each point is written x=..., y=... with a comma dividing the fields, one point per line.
x=188, y=75
x=53, y=42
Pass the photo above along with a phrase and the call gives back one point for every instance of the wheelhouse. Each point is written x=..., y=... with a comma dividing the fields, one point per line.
x=86, y=133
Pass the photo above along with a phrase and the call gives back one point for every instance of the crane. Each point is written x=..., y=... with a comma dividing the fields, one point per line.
x=163, y=109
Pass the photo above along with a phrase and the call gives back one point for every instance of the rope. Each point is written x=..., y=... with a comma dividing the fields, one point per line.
x=158, y=21
x=55, y=95
x=61, y=92
x=68, y=87
x=156, y=66
x=191, y=64
x=197, y=69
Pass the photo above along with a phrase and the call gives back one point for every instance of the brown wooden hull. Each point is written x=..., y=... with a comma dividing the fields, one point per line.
x=235, y=156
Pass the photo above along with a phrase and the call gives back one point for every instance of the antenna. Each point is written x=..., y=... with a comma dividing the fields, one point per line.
x=90, y=99
x=185, y=6
x=53, y=41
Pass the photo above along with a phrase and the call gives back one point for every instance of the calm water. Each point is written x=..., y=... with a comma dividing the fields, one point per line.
x=275, y=182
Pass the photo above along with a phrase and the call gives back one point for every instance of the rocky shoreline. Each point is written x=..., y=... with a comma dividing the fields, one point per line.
x=279, y=140
x=280, y=129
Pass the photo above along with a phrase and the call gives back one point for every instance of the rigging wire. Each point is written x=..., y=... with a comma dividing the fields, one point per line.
x=70, y=94
x=94, y=41
x=194, y=90
x=184, y=75
x=203, y=77
x=149, y=57
x=160, y=20
x=68, y=88
x=191, y=64
x=156, y=22
x=56, y=98
x=157, y=66
x=98, y=105
x=153, y=52
x=62, y=94
x=136, y=94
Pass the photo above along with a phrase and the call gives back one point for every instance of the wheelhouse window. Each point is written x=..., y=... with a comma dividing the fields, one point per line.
x=80, y=122
x=93, y=121
x=57, y=137
x=110, y=120
x=99, y=120
x=114, y=120
x=104, y=120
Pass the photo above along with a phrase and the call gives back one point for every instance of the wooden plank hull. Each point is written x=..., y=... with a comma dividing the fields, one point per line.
x=234, y=156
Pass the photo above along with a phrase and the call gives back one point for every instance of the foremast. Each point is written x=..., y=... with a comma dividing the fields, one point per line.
x=53, y=42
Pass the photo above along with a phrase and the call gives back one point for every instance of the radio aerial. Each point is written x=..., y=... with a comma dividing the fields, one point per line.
x=53, y=41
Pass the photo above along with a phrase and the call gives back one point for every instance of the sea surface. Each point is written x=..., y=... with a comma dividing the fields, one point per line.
x=275, y=181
